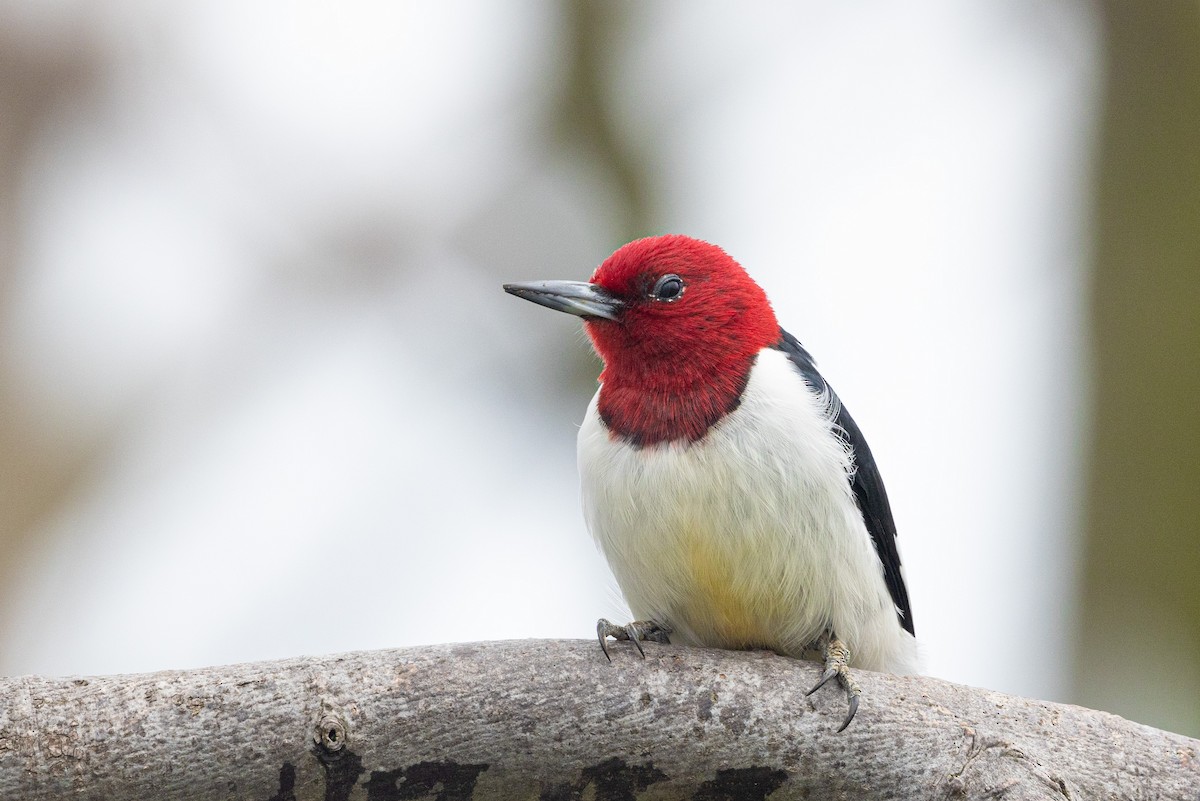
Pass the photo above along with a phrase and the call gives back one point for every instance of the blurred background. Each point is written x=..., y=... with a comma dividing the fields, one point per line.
x=261, y=394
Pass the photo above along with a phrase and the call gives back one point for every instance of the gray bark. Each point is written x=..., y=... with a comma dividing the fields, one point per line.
x=554, y=720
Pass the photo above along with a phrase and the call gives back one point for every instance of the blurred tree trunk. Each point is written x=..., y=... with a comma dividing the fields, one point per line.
x=586, y=119
x=1139, y=653
x=39, y=466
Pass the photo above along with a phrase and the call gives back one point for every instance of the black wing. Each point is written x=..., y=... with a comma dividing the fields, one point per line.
x=867, y=483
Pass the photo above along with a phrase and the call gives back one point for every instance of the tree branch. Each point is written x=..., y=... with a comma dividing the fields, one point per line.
x=547, y=719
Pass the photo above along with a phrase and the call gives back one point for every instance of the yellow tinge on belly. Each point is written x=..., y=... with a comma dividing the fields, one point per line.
x=721, y=613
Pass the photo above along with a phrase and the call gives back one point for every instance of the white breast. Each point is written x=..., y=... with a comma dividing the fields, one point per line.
x=750, y=537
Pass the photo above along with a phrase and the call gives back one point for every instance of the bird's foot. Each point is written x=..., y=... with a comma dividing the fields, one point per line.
x=837, y=658
x=635, y=632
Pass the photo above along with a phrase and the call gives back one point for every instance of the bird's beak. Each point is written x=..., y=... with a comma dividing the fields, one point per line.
x=573, y=297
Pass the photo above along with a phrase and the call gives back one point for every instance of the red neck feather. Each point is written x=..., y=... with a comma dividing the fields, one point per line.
x=673, y=370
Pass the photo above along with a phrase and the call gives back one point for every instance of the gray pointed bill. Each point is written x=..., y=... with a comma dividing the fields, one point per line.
x=573, y=297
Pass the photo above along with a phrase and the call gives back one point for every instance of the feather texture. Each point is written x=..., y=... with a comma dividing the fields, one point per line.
x=750, y=536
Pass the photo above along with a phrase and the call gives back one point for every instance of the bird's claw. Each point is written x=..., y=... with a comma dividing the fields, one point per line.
x=852, y=695
x=635, y=632
x=821, y=682
x=837, y=658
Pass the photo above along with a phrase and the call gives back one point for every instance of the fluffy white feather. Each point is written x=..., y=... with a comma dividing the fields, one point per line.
x=749, y=537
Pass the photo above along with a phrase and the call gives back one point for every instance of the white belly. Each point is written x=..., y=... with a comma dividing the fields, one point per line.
x=750, y=537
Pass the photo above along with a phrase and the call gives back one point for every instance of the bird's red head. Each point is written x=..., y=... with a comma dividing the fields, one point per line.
x=685, y=305
x=679, y=352
x=678, y=324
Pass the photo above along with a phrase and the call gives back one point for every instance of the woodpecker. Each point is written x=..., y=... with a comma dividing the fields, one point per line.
x=731, y=492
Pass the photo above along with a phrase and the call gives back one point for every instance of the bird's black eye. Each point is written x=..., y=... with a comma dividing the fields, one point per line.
x=668, y=288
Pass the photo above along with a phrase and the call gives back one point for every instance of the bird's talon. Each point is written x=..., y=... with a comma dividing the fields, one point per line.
x=821, y=682
x=605, y=629
x=850, y=714
x=837, y=659
x=635, y=632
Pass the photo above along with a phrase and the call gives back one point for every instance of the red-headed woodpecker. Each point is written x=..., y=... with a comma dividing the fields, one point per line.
x=730, y=490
